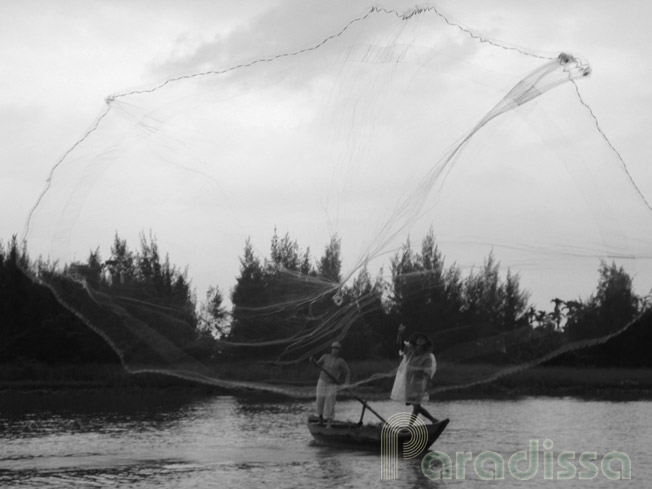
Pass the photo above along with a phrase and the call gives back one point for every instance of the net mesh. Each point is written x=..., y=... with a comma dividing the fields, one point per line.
x=396, y=128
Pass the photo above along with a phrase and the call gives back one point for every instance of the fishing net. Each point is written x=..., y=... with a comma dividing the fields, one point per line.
x=399, y=169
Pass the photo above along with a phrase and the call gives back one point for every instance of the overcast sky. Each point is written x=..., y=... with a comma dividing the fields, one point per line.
x=61, y=59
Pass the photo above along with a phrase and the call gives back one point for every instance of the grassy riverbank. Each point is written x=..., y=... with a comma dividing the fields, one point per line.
x=372, y=379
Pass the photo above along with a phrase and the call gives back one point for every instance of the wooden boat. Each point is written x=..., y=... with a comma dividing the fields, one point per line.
x=366, y=436
x=369, y=436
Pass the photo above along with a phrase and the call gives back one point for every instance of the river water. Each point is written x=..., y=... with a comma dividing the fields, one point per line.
x=181, y=438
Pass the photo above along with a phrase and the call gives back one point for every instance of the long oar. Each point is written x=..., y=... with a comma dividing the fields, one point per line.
x=364, y=403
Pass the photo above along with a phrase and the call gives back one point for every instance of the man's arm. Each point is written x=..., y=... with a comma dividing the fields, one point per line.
x=347, y=372
x=399, y=336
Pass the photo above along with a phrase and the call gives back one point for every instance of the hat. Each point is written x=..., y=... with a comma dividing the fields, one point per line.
x=414, y=339
x=336, y=344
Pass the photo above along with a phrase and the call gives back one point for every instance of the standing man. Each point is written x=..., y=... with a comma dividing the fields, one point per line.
x=335, y=371
x=415, y=371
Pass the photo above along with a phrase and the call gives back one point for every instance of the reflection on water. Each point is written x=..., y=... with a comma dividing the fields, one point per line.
x=180, y=438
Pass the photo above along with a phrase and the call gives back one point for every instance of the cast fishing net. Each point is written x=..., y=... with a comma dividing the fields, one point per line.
x=399, y=169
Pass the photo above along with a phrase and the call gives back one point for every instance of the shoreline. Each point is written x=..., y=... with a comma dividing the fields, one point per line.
x=615, y=394
x=542, y=381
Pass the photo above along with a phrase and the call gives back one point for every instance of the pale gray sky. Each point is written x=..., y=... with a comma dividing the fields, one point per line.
x=62, y=58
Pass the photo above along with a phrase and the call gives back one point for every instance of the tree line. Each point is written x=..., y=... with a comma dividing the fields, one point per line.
x=289, y=304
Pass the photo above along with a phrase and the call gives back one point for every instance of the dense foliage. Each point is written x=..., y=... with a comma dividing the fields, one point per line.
x=268, y=303
x=33, y=324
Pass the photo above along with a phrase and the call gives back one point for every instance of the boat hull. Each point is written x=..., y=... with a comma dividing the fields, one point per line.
x=347, y=434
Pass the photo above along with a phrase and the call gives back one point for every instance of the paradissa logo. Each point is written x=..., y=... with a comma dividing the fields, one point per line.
x=393, y=428
x=524, y=465
x=410, y=434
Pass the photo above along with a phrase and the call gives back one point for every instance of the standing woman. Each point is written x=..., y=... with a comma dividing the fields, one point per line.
x=416, y=369
x=327, y=384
